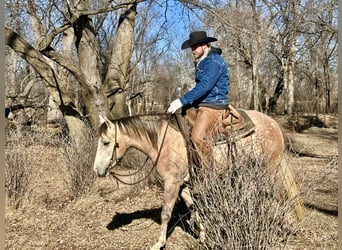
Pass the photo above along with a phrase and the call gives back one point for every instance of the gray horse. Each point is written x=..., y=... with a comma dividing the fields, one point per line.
x=165, y=146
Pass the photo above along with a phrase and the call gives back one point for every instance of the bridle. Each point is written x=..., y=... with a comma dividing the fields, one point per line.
x=116, y=146
x=117, y=162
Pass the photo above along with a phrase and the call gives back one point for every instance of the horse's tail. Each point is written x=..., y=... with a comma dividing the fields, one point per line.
x=289, y=182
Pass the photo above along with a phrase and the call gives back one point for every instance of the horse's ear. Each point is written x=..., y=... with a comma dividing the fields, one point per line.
x=102, y=119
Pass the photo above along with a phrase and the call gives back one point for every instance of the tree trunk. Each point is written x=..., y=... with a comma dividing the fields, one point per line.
x=285, y=82
x=255, y=83
x=88, y=52
x=77, y=128
x=238, y=76
x=290, y=91
x=255, y=54
x=39, y=30
x=327, y=86
x=291, y=54
x=68, y=39
x=118, y=68
x=11, y=82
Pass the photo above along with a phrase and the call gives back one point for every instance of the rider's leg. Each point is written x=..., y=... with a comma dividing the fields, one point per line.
x=205, y=130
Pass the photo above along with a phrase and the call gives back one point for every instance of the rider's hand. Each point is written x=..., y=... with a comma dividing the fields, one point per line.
x=176, y=104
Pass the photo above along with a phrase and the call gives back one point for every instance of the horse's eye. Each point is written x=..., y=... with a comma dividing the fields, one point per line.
x=106, y=143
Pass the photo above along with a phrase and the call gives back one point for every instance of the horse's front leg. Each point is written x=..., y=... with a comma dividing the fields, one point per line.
x=171, y=189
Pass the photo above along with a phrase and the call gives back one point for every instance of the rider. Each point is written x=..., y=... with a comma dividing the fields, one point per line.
x=207, y=101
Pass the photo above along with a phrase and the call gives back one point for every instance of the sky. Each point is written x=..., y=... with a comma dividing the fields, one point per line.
x=179, y=22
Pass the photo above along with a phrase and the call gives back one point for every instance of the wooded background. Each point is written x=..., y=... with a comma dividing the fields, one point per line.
x=69, y=61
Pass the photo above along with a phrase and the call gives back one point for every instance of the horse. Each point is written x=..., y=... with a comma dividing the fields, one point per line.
x=164, y=144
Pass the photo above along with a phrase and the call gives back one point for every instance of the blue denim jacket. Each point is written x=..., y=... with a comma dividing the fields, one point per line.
x=212, y=81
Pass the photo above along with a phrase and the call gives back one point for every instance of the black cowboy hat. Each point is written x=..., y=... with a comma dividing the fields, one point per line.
x=197, y=37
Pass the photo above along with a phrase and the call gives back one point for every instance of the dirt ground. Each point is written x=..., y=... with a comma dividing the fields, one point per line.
x=114, y=216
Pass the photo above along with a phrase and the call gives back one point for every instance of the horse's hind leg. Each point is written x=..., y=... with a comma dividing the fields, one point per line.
x=171, y=189
x=291, y=188
x=186, y=196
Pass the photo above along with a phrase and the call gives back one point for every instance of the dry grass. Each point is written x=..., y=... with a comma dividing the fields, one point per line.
x=26, y=148
x=322, y=178
x=20, y=163
x=318, y=179
x=18, y=170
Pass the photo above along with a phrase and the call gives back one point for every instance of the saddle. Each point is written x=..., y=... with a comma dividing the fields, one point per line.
x=236, y=124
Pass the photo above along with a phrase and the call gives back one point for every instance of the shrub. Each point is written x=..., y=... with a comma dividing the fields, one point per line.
x=238, y=208
x=78, y=164
x=18, y=167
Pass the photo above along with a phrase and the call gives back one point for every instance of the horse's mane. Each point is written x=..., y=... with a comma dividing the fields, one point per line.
x=147, y=125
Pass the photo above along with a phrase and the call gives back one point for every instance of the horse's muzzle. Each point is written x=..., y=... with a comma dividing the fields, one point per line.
x=102, y=173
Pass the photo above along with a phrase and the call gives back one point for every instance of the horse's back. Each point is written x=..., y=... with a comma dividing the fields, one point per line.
x=266, y=128
x=268, y=137
x=261, y=119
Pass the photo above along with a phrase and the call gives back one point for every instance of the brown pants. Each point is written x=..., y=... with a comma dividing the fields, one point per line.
x=204, y=128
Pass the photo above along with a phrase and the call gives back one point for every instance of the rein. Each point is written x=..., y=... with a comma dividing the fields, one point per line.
x=116, y=145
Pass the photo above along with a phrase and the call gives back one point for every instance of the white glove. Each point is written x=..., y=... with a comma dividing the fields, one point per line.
x=176, y=104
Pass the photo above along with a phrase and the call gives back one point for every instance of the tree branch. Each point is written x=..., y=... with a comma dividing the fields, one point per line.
x=75, y=15
x=39, y=63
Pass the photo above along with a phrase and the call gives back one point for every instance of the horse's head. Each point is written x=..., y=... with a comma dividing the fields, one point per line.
x=110, y=147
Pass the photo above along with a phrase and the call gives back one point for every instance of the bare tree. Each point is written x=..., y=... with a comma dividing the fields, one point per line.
x=58, y=67
x=265, y=42
x=299, y=32
x=320, y=38
x=95, y=58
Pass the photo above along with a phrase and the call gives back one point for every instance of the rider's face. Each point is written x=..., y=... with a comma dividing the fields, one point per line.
x=197, y=50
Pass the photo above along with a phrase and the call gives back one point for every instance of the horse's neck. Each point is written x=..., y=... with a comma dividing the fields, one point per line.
x=143, y=145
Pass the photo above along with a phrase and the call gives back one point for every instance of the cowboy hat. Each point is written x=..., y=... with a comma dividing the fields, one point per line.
x=197, y=37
